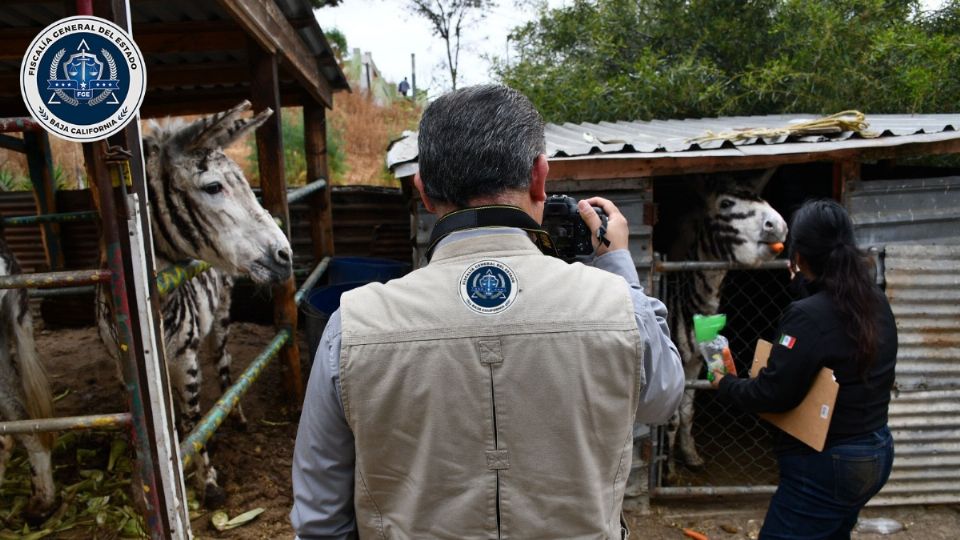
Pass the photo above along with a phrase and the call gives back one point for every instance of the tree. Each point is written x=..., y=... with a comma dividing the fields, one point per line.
x=642, y=59
x=447, y=20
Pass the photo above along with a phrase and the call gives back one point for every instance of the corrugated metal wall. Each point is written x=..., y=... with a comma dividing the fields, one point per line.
x=923, y=284
x=79, y=240
x=368, y=222
x=907, y=210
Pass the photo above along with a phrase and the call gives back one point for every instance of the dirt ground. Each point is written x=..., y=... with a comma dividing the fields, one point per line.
x=254, y=466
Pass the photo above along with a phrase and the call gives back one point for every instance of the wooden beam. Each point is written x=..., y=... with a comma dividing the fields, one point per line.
x=161, y=103
x=40, y=163
x=844, y=171
x=191, y=75
x=321, y=209
x=265, y=92
x=609, y=168
x=8, y=142
x=270, y=28
x=152, y=38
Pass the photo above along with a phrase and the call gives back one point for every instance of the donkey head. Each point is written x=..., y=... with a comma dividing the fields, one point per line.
x=203, y=207
x=740, y=226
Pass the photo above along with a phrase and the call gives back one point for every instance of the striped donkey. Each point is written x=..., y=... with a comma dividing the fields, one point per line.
x=24, y=390
x=735, y=225
x=201, y=207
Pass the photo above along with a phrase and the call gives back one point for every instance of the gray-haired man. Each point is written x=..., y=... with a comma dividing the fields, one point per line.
x=493, y=392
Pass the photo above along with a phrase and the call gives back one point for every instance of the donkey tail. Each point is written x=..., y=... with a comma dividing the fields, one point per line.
x=33, y=376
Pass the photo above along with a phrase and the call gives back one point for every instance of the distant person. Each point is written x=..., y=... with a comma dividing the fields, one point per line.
x=845, y=324
x=403, y=87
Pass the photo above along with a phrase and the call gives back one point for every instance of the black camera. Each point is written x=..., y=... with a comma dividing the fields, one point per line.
x=566, y=228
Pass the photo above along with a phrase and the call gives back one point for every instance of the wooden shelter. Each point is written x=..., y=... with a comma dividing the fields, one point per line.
x=901, y=186
x=202, y=56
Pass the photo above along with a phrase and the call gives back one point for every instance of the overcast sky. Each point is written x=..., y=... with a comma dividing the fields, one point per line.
x=387, y=30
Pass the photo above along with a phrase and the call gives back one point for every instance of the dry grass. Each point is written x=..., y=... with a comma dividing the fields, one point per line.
x=363, y=129
x=366, y=129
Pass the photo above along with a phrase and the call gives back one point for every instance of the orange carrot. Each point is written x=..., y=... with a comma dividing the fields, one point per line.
x=690, y=533
x=776, y=247
x=728, y=361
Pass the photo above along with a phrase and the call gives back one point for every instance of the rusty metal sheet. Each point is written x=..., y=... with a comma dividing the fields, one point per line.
x=906, y=210
x=922, y=284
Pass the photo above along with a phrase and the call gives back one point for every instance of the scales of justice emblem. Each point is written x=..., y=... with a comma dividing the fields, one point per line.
x=84, y=80
x=488, y=286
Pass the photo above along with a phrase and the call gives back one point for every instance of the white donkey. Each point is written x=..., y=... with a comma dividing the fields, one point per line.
x=735, y=225
x=202, y=207
x=24, y=391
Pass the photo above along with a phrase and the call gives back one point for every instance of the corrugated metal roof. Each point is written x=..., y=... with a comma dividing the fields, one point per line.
x=923, y=285
x=673, y=138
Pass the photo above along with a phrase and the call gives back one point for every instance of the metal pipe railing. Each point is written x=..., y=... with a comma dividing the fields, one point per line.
x=713, y=491
x=18, y=124
x=71, y=423
x=295, y=195
x=176, y=275
x=687, y=266
x=205, y=429
x=63, y=217
x=61, y=291
x=54, y=279
x=311, y=280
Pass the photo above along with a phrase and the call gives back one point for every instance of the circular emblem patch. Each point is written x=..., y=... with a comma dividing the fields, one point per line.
x=488, y=287
x=83, y=78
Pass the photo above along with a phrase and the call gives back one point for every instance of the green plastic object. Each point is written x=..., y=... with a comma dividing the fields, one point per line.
x=707, y=327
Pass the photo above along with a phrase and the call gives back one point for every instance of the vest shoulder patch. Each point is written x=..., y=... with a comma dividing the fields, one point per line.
x=488, y=287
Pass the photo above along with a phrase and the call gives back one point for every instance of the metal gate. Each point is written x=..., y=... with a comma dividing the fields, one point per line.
x=736, y=446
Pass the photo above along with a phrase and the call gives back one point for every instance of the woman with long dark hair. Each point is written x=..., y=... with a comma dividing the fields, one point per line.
x=844, y=323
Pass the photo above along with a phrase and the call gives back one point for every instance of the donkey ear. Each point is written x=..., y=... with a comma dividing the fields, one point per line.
x=222, y=129
x=755, y=184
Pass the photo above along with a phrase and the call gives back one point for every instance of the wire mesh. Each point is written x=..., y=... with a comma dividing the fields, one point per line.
x=735, y=446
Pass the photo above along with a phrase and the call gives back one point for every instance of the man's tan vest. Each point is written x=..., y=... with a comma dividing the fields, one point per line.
x=514, y=425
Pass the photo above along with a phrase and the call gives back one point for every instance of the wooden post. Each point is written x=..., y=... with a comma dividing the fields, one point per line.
x=40, y=163
x=265, y=92
x=844, y=171
x=321, y=210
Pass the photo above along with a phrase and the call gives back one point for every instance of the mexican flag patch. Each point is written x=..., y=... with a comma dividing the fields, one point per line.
x=787, y=341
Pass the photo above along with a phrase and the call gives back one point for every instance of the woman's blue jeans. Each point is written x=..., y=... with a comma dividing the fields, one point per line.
x=820, y=495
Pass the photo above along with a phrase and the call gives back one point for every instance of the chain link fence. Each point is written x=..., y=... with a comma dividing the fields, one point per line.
x=736, y=446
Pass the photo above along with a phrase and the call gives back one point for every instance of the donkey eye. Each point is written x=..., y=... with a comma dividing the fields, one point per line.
x=213, y=188
x=726, y=203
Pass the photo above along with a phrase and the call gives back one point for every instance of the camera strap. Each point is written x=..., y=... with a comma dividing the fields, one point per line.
x=490, y=216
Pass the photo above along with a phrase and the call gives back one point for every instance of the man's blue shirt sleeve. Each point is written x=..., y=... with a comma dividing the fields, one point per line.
x=662, y=367
x=323, y=458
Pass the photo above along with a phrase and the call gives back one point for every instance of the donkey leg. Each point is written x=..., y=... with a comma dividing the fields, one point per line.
x=6, y=450
x=672, y=426
x=188, y=392
x=688, y=447
x=38, y=451
x=41, y=477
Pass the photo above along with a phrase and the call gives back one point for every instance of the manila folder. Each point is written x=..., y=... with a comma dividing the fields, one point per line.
x=810, y=420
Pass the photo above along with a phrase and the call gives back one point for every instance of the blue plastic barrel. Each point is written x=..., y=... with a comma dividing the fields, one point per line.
x=365, y=269
x=317, y=308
